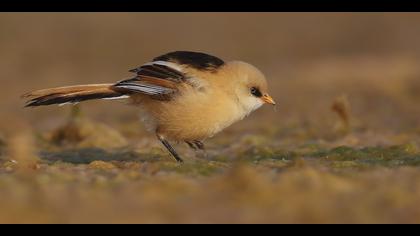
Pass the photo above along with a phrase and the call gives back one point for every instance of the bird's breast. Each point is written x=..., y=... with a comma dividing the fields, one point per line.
x=194, y=115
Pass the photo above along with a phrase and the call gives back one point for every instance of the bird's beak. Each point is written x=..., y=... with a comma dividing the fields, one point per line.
x=268, y=99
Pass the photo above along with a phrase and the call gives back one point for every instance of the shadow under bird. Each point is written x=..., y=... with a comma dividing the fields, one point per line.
x=182, y=96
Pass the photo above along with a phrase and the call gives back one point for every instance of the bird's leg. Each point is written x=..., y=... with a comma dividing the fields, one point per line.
x=198, y=148
x=191, y=145
x=195, y=145
x=170, y=148
x=199, y=145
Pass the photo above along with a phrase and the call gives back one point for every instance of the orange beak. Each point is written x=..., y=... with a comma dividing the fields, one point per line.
x=268, y=99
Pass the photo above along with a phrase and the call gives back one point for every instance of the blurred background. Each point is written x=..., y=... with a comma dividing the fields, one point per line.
x=309, y=58
x=340, y=80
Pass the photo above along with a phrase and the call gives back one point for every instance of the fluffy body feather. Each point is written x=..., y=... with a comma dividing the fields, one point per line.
x=216, y=106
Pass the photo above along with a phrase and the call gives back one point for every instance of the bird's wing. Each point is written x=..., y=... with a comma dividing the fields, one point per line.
x=155, y=78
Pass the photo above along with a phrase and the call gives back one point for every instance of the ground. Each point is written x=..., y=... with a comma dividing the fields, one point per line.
x=341, y=146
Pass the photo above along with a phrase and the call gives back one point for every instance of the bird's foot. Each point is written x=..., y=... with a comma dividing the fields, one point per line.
x=199, y=149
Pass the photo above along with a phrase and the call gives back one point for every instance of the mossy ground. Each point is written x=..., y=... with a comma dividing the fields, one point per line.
x=342, y=145
x=250, y=181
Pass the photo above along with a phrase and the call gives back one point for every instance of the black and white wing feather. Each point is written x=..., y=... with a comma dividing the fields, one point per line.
x=163, y=75
x=154, y=78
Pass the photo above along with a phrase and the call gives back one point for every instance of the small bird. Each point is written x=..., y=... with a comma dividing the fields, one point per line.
x=182, y=96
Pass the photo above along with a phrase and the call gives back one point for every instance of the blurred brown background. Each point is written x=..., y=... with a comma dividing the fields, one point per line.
x=340, y=79
x=309, y=59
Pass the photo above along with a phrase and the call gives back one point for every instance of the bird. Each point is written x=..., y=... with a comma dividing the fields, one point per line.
x=182, y=96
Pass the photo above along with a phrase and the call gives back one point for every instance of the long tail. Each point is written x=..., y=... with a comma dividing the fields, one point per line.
x=73, y=94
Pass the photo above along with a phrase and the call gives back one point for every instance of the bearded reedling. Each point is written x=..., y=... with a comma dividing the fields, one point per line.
x=182, y=96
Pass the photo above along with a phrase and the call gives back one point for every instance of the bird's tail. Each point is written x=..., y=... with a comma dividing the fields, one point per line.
x=73, y=94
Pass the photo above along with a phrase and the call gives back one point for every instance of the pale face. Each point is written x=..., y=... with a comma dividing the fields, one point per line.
x=251, y=88
x=249, y=102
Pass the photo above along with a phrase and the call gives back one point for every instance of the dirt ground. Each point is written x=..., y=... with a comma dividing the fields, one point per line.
x=341, y=146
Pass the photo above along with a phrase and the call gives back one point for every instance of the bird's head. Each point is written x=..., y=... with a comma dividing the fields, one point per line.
x=249, y=85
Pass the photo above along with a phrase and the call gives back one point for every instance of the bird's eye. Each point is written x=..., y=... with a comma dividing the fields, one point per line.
x=256, y=92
